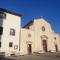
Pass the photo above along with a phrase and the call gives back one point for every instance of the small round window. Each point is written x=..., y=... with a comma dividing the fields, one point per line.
x=43, y=28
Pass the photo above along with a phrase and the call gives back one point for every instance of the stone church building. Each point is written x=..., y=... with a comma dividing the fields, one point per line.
x=36, y=36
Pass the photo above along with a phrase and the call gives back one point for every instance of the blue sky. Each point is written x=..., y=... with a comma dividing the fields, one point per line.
x=49, y=9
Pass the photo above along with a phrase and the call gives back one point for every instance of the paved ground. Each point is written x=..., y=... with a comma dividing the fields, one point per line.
x=47, y=56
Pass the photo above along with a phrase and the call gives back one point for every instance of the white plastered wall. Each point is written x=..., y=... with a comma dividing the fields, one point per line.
x=11, y=21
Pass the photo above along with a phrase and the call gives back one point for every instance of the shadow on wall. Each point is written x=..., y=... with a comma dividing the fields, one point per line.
x=1, y=24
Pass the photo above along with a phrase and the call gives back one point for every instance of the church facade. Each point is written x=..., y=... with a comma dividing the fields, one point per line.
x=38, y=36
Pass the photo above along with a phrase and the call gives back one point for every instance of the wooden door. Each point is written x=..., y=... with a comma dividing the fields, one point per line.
x=45, y=45
x=29, y=49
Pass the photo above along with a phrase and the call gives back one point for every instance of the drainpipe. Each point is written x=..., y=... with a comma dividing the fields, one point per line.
x=19, y=38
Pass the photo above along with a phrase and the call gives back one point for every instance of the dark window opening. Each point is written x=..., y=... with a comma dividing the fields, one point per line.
x=2, y=15
x=10, y=44
x=55, y=38
x=0, y=44
x=12, y=32
x=1, y=30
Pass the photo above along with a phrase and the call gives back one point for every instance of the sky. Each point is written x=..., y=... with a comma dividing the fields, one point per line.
x=49, y=9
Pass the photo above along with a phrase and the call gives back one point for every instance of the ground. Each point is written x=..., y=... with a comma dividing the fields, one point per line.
x=45, y=56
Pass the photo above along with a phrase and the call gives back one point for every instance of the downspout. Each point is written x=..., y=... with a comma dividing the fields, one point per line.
x=19, y=36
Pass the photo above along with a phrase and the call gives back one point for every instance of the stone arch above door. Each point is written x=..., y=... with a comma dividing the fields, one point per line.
x=44, y=37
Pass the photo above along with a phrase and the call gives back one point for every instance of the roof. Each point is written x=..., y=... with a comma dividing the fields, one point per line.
x=14, y=13
x=28, y=24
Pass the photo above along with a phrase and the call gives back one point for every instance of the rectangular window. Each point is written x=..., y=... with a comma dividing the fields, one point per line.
x=10, y=44
x=0, y=44
x=2, y=15
x=1, y=30
x=12, y=32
